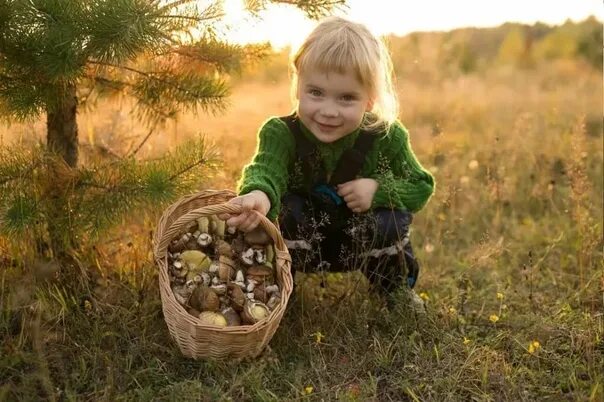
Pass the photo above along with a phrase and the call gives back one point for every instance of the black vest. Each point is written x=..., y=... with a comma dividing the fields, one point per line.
x=318, y=186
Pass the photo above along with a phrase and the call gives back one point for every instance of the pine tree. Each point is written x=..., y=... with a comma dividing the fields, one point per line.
x=54, y=54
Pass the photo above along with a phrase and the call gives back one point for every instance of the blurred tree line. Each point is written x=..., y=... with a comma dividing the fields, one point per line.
x=468, y=50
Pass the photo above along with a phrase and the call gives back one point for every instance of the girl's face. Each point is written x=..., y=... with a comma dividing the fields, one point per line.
x=331, y=105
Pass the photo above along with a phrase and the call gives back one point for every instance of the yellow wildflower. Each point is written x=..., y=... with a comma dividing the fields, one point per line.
x=534, y=346
x=318, y=336
x=466, y=341
x=308, y=390
x=452, y=310
x=499, y=296
x=494, y=318
x=424, y=296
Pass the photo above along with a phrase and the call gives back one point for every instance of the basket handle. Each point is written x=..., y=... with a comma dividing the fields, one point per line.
x=214, y=209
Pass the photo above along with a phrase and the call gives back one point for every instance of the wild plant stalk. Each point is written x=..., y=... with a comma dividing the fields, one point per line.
x=580, y=202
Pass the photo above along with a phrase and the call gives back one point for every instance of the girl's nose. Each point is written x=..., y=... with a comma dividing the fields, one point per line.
x=329, y=110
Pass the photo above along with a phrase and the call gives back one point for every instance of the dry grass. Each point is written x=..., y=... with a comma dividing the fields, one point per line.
x=511, y=248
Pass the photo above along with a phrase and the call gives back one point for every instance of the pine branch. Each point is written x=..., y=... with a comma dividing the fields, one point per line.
x=162, y=96
x=7, y=178
x=175, y=4
x=17, y=163
x=213, y=12
x=187, y=169
x=122, y=67
x=119, y=30
x=125, y=184
x=138, y=148
x=223, y=56
x=314, y=9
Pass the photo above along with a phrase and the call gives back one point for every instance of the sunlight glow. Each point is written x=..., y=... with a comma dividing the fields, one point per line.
x=283, y=25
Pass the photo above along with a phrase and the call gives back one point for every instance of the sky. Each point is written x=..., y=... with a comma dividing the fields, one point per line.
x=285, y=25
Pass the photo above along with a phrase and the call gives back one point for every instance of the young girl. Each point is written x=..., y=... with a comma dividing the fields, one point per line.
x=339, y=173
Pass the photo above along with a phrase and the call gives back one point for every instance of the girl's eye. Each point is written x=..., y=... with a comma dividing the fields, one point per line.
x=348, y=98
x=314, y=92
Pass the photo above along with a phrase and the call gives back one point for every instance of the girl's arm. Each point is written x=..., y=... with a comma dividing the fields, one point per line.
x=403, y=182
x=268, y=170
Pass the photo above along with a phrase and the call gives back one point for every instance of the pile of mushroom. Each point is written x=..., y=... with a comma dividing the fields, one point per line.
x=223, y=276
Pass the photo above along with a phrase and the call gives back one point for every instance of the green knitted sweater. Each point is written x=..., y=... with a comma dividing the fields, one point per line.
x=403, y=182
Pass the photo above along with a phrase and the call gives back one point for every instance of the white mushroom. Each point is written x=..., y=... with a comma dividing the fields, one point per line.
x=204, y=239
x=247, y=256
x=214, y=267
x=259, y=256
x=272, y=289
x=273, y=301
x=181, y=294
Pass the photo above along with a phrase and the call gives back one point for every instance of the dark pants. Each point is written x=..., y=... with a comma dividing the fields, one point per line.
x=322, y=236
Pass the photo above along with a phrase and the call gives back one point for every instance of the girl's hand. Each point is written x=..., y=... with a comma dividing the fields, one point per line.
x=247, y=220
x=358, y=194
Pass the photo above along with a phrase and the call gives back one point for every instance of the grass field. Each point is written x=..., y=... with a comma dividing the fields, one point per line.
x=510, y=246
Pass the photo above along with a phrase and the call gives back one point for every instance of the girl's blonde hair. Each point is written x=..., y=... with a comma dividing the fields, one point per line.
x=340, y=45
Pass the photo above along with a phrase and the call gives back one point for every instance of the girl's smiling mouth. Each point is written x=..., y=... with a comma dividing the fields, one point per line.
x=327, y=127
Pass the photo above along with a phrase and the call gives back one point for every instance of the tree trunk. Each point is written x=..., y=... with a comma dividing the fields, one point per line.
x=62, y=139
x=62, y=127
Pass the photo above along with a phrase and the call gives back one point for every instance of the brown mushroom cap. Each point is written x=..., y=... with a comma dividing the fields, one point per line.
x=257, y=237
x=204, y=299
x=259, y=273
x=236, y=295
x=260, y=293
x=224, y=248
x=193, y=312
x=232, y=317
x=225, y=273
x=259, y=270
x=226, y=260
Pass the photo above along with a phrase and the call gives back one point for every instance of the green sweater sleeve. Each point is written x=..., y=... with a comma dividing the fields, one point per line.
x=268, y=170
x=403, y=182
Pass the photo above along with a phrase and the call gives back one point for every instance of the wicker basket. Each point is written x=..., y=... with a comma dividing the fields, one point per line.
x=197, y=340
